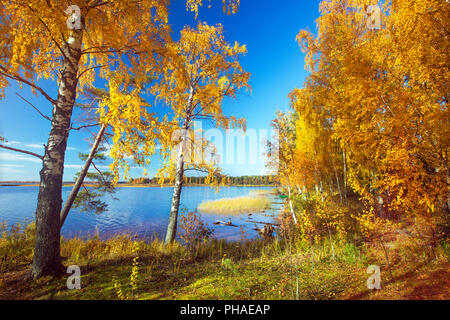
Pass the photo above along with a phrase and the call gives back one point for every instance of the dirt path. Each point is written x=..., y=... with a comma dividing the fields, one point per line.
x=412, y=279
x=431, y=282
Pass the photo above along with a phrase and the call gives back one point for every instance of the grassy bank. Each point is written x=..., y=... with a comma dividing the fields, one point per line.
x=257, y=269
x=236, y=206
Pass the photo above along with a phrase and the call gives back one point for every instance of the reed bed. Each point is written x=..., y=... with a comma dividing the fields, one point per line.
x=255, y=193
x=236, y=206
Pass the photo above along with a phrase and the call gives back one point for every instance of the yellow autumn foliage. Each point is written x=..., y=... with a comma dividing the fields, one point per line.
x=382, y=96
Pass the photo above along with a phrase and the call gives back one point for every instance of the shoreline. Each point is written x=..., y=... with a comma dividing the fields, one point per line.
x=134, y=186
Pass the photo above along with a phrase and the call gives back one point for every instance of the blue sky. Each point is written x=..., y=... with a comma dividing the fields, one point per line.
x=268, y=28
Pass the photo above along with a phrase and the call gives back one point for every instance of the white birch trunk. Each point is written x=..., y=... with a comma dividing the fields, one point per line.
x=47, y=258
x=179, y=177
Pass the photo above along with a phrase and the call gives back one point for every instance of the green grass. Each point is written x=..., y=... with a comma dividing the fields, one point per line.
x=236, y=206
x=217, y=269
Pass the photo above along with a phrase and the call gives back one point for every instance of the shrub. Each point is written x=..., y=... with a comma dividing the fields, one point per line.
x=16, y=245
x=193, y=230
x=320, y=217
x=133, y=280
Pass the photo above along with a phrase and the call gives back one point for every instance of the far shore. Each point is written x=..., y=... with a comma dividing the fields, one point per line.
x=126, y=185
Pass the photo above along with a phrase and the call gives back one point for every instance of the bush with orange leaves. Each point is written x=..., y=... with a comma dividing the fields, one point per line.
x=193, y=230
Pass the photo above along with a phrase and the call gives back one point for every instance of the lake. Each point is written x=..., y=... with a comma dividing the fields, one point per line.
x=140, y=211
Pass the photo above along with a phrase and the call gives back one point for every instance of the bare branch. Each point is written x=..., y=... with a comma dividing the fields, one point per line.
x=16, y=77
x=85, y=189
x=101, y=173
x=46, y=117
x=107, y=50
x=85, y=126
x=88, y=69
x=22, y=151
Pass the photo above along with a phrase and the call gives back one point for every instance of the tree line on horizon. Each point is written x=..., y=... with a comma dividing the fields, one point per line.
x=263, y=180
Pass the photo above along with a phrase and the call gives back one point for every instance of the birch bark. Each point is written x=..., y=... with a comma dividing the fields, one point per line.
x=47, y=258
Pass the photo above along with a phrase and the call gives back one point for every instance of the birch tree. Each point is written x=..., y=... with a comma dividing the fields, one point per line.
x=281, y=156
x=385, y=94
x=71, y=43
x=75, y=42
x=201, y=70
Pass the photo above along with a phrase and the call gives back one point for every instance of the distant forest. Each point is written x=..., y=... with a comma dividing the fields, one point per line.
x=242, y=180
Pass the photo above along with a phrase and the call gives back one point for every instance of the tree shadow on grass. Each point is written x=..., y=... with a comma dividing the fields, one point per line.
x=435, y=285
x=420, y=289
x=19, y=285
x=158, y=278
x=161, y=276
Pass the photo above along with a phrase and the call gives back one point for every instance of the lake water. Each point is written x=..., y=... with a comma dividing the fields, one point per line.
x=140, y=211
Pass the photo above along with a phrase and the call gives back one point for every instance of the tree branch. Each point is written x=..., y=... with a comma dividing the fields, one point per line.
x=88, y=69
x=23, y=151
x=85, y=126
x=101, y=173
x=19, y=78
x=46, y=117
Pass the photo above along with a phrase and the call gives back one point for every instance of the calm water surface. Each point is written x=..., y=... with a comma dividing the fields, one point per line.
x=140, y=211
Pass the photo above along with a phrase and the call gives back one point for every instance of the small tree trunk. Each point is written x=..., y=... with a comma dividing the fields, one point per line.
x=179, y=174
x=380, y=205
x=291, y=206
x=47, y=258
x=448, y=187
x=345, y=174
x=173, y=219
x=290, y=195
x=73, y=194
x=337, y=178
